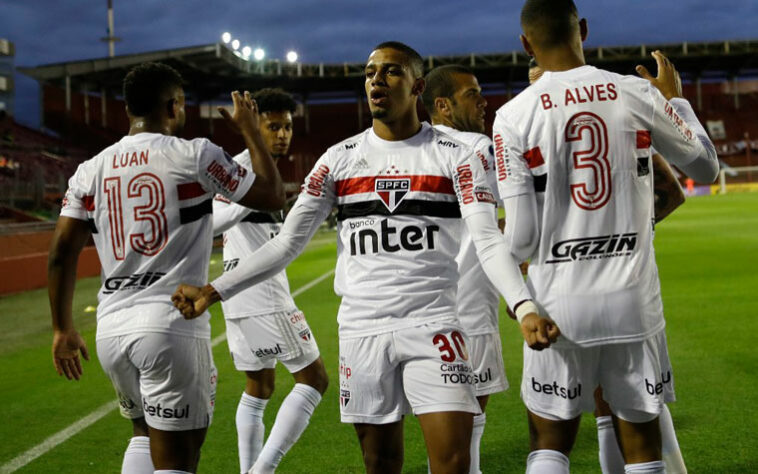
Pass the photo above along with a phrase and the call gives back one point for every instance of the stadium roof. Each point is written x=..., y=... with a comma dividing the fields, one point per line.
x=211, y=71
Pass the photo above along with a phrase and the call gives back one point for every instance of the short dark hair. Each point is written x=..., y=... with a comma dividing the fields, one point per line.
x=145, y=85
x=439, y=83
x=414, y=59
x=275, y=99
x=550, y=22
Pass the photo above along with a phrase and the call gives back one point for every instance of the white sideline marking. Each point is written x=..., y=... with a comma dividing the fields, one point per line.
x=58, y=438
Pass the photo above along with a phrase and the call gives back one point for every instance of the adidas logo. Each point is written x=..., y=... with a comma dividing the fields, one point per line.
x=361, y=164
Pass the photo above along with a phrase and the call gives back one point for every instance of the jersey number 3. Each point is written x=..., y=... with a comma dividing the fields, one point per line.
x=594, y=191
x=150, y=188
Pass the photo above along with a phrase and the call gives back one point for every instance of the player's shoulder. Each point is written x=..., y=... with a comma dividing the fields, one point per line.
x=472, y=139
x=448, y=142
x=348, y=146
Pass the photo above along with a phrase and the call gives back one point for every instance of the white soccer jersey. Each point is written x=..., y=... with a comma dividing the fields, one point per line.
x=478, y=299
x=399, y=224
x=148, y=199
x=248, y=230
x=580, y=141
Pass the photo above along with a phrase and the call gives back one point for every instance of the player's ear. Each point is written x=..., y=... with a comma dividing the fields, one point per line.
x=442, y=106
x=526, y=45
x=172, y=108
x=418, y=86
x=583, y=31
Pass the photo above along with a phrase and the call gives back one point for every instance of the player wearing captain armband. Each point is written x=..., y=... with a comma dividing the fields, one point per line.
x=147, y=203
x=571, y=154
x=403, y=190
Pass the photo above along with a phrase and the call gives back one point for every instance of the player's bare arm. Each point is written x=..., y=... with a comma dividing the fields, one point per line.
x=267, y=191
x=668, y=192
x=68, y=241
x=667, y=81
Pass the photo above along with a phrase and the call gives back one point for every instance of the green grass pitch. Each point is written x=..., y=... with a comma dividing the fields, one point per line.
x=708, y=258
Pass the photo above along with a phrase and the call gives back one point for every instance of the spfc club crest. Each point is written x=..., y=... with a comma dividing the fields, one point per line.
x=392, y=190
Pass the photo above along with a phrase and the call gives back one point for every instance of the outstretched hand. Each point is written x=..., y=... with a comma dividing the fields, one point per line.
x=539, y=332
x=244, y=117
x=667, y=81
x=192, y=301
x=66, y=348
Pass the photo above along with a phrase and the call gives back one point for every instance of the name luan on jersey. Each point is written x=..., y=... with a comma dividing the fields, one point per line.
x=148, y=201
x=478, y=299
x=399, y=217
x=581, y=139
x=241, y=240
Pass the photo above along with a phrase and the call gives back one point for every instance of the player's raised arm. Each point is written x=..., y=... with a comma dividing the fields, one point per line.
x=267, y=191
x=675, y=130
x=668, y=192
x=68, y=241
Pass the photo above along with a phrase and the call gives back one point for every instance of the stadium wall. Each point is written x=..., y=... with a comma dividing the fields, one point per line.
x=23, y=262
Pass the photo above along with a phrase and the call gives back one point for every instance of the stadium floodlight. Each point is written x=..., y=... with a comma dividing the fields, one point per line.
x=226, y=37
x=259, y=54
x=246, y=51
x=236, y=44
x=291, y=57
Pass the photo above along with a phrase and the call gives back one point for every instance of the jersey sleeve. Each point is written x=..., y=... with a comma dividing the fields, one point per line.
x=227, y=214
x=485, y=152
x=79, y=197
x=674, y=130
x=512, y=171
x=218, y=173
x=319, y=188
x=470, y=183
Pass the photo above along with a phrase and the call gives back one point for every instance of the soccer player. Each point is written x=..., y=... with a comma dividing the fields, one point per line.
x=147, y=202
x=454, y=101
x=263, y=324
x=401, y=189
x=573, y=161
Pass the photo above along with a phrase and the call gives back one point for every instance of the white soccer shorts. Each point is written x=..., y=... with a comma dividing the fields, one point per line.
x=487, y=360
x=558, y=382
x=167, y=378
x=423, y=368
x=257, y=342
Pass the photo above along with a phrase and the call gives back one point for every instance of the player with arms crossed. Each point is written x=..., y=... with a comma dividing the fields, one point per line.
x=147, y=201
x=668, y=196
x=401, y=188
x=263, y=324
x=571, y=154
x=454, y=101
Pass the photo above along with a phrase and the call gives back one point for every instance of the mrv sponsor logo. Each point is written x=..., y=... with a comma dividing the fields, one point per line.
x=391, y=239
x=136, y=281
x=592, y=248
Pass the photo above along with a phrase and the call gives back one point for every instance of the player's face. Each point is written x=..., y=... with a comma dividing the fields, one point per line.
x=276, y=129
x=468, y=105
x=390, y=84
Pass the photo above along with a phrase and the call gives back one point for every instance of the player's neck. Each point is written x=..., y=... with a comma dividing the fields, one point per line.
x=144, y=125
x=561, y=59
x=437, y=120
x=401, y=129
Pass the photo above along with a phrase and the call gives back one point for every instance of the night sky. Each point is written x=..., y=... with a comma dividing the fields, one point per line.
x=50, y=31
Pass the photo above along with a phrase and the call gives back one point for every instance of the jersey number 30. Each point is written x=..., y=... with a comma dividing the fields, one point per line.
x=150, y=188
x=594, y=191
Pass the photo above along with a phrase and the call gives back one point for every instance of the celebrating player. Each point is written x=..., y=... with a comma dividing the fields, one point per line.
x=147, y=201
x=454, y=101
x=573, y=161
x=401, y=188
x=263, y=324
x=668, y=196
